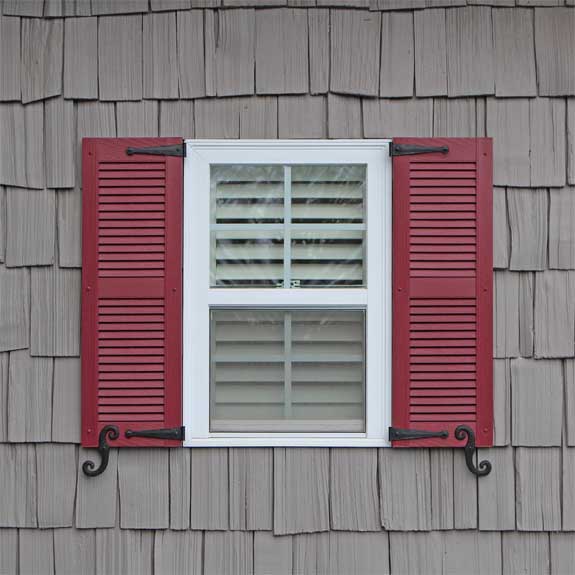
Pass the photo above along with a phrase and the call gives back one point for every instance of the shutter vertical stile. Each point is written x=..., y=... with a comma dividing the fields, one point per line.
x=131, y=290
x=442, y=291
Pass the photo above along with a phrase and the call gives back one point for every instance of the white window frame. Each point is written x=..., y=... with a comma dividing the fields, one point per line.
x=199, y=296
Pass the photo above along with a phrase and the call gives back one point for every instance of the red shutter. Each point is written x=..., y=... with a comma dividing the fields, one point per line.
x=131, y=284
x=442, y=290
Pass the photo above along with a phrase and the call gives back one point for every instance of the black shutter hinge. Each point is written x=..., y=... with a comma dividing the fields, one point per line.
x=397, y=434
x=413, y=149
x=178, y=150
x=176, y=433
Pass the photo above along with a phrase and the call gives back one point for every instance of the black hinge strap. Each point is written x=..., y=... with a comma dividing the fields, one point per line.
x=412, y=149
x=177, y=433
x=178, y=150
x=397, y=434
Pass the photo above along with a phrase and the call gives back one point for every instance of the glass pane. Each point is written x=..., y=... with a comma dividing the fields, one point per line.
x=288, y=226
x=287, y=370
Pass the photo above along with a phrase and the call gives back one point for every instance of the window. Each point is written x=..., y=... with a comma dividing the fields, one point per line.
x=287, y=276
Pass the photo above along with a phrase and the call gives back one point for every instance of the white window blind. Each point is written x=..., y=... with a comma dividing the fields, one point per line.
x=288, y=226
x=287, y=370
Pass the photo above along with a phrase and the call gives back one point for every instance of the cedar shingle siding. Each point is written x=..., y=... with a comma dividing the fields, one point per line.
x=290, y=69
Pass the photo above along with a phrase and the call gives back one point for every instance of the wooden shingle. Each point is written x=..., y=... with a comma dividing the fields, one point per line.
x=397, y=55
x=69, y=228
x=528, y=211
x=562, y=552
x=29, y=397
x=470, y=54
x=441, y=469
x=14, y=309
x=30, y=227
x=120, y=57
x=501, y=402
x=3, y=397
x=454, y=118
x=118, y=6
x=569, y=372
x=508, y=125
x=537, y=402
x=60, y=138
x=526, y=299
x=514, y=55
x=394, y=118
x=137, y=119
x=272, y=554
x=144, y=488
x=229, y=553
x=571, y=140
x=18, y=504
x=554, y=314
x=8, y=551
x=66, y=401
x=55, y=315
x=568, y=494
x=22, y=152
x=302, y=117
x=538, y=485
x=10, y=69
x=318, y=27
x=525, y=553
x=430, y=53
x=405, y=489
x=505, y=314
x=464, y=494
x=354, y=499
x=42, y=49
x=547, y=127
x=355, y=45
x=259, y=117
x=415, y=553
x=500, y=229
x=191, y=66
x=162, y=5
x=177, y=118
x=124, y=552
x=160, y=56
x=56, y=469
x=179, y=488
x=178, y=553
x=301, y=490
x=74, y=551
x=217, y=118
x=281, y=51
x=30, y=8
x=2, y=224
x=358, y=553
x=81, y=58
x=554, y=51
x=343, y=116
x=496, y=491
x=229, y=52
x=251, y=489
x=471, y=552
x=209, y=495
x=311, y=550
x=96, y=496
x=36, y=551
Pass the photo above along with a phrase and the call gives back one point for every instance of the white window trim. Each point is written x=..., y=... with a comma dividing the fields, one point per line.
x=198, y=296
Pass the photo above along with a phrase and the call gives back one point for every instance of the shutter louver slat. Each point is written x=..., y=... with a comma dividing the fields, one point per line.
x=132, y=290
x=442, y=291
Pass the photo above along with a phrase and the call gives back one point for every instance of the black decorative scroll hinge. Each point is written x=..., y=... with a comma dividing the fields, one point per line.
x=413, y=149
x=175, y=433
x=484, y=467
x=397, y=434
x=178, y=150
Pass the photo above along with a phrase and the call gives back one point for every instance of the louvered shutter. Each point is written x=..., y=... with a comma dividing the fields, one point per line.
x=131, y=282
x=442, y=290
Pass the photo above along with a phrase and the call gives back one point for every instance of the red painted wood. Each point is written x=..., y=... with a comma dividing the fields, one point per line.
x=132, y=282
x=442, y=282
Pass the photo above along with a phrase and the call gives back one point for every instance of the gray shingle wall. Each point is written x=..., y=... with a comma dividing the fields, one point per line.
x=290, y=69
